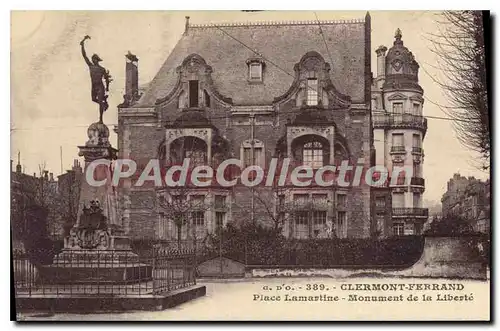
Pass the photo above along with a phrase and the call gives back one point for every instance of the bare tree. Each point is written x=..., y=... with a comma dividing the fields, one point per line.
x=184, y=206
x=273, y=202
x=460, y=47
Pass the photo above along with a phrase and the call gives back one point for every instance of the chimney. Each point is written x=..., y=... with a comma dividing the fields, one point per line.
x=18, y=166
x=46, y=174
x=51, y=176
x=381, y=61
x=131, y=78
x=76, y=166
x=186, y=27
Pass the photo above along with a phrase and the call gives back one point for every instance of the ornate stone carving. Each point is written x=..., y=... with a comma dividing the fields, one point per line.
x=312, y=65
x=294, y=132
x=98, y=134
x=194, y=67
x=92, y=231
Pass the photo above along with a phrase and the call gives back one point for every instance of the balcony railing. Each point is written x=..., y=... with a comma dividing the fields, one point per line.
x=398, y=149
x=417, y=181
x=400, y=121
x=417, y=150
x=419, y=212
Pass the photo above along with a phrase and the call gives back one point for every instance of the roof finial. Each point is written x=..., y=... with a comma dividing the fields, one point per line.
x=398, y=34
x=186, y=28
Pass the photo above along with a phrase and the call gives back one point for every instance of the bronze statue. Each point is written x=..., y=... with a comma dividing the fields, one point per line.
x=98, y=76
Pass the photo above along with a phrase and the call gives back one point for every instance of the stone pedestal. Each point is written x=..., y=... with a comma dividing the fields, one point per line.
x=97, y=250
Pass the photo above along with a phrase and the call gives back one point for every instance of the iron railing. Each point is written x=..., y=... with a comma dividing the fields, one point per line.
x=417, y=150
x=422, y=212
x=398, y=149
x=417, y=181
x=400, y=121
x=105, y=273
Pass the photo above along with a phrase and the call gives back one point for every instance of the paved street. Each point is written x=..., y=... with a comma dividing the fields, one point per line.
x=234, y=299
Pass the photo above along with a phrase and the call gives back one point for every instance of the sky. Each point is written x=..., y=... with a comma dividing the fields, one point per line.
x=51, y=107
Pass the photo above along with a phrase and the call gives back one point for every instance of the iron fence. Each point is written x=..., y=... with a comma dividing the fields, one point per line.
x=107, y=273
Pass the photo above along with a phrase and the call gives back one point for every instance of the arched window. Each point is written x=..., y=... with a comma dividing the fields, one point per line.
x=312, y=154
x=189, y=147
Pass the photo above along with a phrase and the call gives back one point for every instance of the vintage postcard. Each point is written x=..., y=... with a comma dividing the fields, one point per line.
x=250, y=165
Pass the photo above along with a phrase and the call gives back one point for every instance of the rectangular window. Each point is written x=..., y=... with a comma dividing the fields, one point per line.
x=397, y=108
x=162, y=226
x=193, y=93
x=341, y=200
x=416, y=109
x=398, y=140
x=302, y=218
x=198, y=218
x=398, y=229
x=312, y=154
x=341, y=224
x=257, y=156
x=255, y=71
x=319, y=223
x=312, y=91
x=417, y=142
x=398, y=200
x=220, y=218
x=302, y=225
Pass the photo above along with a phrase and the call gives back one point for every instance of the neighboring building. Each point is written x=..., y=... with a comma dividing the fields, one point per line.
x=68, y=193
x=469, y=198
x=41, y=205
x=399, y=129
x=253, y=92
x=29, y=205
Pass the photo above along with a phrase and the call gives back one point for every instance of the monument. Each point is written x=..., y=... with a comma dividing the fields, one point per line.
x=97, y=241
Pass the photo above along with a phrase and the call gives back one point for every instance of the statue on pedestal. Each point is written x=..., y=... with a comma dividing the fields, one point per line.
x=98, y=76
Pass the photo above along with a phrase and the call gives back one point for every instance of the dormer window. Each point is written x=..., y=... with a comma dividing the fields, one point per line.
x=255, y=70
x=312, y=92
x=193, y=93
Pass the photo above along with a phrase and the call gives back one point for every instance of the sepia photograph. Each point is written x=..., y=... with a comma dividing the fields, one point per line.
x=250, y=165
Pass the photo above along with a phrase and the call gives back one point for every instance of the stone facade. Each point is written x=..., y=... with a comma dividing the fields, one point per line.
x=469, y=198
x=399, y=129
x=215, y=99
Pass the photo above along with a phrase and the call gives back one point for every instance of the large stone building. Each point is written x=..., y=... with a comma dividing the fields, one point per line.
x=253, y=92
x=398, y=132
x=31, y=201
x=469, y=198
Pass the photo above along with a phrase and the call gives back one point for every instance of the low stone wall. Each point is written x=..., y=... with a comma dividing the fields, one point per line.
x=221, y=268
x=442, y=257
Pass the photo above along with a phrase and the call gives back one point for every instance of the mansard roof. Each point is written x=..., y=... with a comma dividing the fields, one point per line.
x=226, y=48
